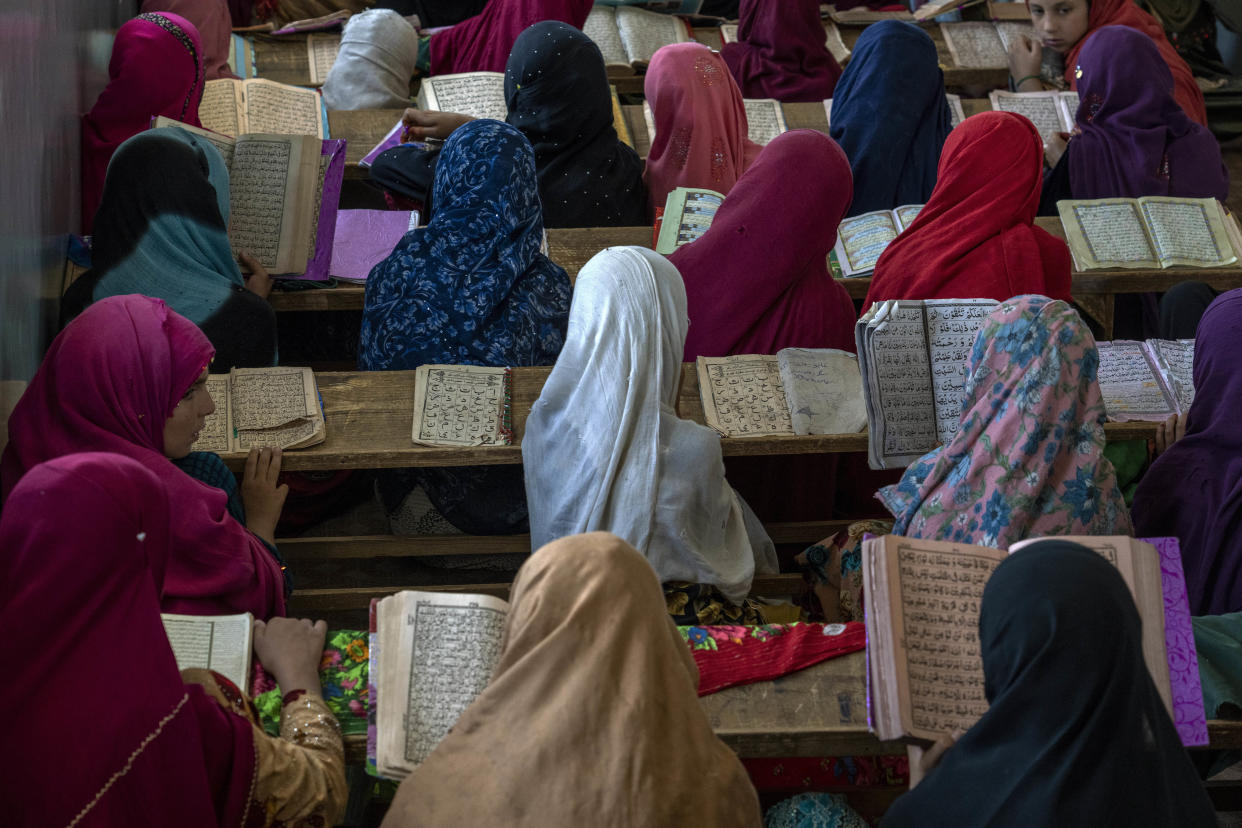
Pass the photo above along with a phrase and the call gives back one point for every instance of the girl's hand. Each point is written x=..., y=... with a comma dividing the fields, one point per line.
x=290, y=649
x=421, y=124
x=261, y=495
x=1055, y=148
x=1169, y=432
x=1025, y=57
x=259, y=281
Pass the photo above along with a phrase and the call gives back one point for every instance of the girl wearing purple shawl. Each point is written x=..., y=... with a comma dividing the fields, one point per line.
x=781, y=52
x=1132, y=138
x=1194, y=490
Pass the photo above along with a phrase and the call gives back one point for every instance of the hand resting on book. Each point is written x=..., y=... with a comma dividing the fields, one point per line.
x=258, y=280
x=923, y=760
x=290, y=650
x=261, y=495
x=421, y=124
x=1168, y=433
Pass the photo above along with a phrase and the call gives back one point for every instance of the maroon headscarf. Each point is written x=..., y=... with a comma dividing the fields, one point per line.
x=111, y=736
x=1193, y=491
x=482, y=43
x=758, y=281
x=109, y=382
x=1135, y=139
x=157, y=68
x=781, y=52
x=215, y=29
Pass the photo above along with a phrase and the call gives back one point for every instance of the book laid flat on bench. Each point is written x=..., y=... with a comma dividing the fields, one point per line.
x=862, y=16
x=1050, y=112
x=235, y=107
x=221, y=643
x=628, y=37
x=1146, y=380
x=794, y=391
x=1149, y=233
x=364, y=238
x=262, y=407
x=435, y=653
x=929, y=10
x=477, y=94
x=912, y=355
x=462, y=405
x=688, y=213
x=862, y=238
x=956, y=113
x=315, y=24
x=284, y=191
x=984, y=45
x=321, y=52
x=832, y=39
x=925, y=673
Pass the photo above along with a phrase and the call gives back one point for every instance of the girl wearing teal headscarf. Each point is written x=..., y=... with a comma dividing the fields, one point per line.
x=162, y=231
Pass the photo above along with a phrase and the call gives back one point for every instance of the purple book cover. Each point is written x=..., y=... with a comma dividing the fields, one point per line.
x=392, y=139
x=1179, y=641
x=317, y=268
x=364, y=238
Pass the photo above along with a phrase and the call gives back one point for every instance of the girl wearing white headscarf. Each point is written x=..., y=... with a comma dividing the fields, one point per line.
x=373, y=68
x=605, y=450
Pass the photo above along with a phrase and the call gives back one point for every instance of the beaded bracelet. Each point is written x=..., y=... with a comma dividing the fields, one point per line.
x=1021, y=81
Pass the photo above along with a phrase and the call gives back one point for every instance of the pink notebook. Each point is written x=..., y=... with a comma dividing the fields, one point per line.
x=364, y=238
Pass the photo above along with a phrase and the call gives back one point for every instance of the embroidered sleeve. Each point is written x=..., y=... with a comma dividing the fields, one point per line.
x=301, y=775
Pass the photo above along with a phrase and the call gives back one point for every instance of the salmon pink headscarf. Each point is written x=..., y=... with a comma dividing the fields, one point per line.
x=976, y=237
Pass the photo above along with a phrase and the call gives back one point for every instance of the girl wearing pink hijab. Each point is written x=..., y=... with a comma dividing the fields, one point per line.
x=215, y=28
x=157, y=68
x=128, y=376
x=700, y=123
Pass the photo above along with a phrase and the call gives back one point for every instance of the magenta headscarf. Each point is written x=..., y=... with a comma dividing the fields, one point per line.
x=215, y=29
x=758, y=280
x=1136, y=139
x=700, y=123
x=157, y=68
x=1193, y=491
x=109, y=382
x=111, y=736
x=482, y=43
x=781, y=52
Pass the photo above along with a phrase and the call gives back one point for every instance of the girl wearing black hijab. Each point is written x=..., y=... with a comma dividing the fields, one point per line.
x=1076, y=733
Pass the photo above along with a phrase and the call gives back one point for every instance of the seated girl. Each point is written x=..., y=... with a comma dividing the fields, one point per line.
x=162, y=231
x=157, y=68
x=595, y=675
x=976, y=237
x=1064, y=27
x=1027, y=459
x=482, y=43
x=471, y=288
x=556, y=90
x=890, y=115
x=1075, y=733
x=701, y=134
x=781, y=52
x=215, y=29
x=372, y=70
x=605, y=450
x=128, y=376
x=1191, y=490
x=91, y=544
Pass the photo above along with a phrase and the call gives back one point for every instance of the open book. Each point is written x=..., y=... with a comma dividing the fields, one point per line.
x=321, y=52
x=213, y=642
x=435, y=653
x=1146, y=380
x=333, y=20
x=1050, y=112
x=832, y=39
x=687, y=215
x=862, y=16
x=912, y=355
x=956, y=113
x=1149, y=233
x=937, y=7
x=628, y=37
x=462, y=405
x=477, y=94
x=861, y=239
x=925, y=672
x=984, y=45
x=364, y=238
x=262, y=407
x=235, y=107
x=795, y=391
x=284, y=191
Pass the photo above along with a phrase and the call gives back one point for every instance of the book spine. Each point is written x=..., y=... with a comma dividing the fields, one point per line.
x=506, y=412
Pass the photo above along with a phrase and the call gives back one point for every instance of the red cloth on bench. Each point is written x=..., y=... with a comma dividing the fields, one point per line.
x=728, y=656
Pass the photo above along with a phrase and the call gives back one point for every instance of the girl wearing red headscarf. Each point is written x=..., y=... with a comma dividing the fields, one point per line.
x=1064, y=26
x=976, y=237
x=482, y=43
x=781, y=52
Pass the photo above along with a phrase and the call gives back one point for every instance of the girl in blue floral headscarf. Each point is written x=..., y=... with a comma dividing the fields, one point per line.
x=471, y=288
x=1027, y=459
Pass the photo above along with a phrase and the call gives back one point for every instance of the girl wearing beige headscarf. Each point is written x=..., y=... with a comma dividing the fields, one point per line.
x=591, y=717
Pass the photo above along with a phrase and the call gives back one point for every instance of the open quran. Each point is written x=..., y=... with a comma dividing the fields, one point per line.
x=984, y=45
x=277, y=407
x=956, y=113
x=862, y=238
x=688, y=214
x=433, y=653
x=1149, y=233
x=925, y=672
x=462, y=405
x=1146, y=380
x=628, y=37
x=912, y=355
x=284, y=191
x=477, y=94
x=832, y=39
x=1050, y=112
x=213, y=642
x=321, y=52
x=794, y=391
x=235, y=107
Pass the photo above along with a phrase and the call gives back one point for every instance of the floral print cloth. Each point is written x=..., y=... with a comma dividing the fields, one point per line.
x=343, y=673
x=729, y=655
x=1027, y=459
